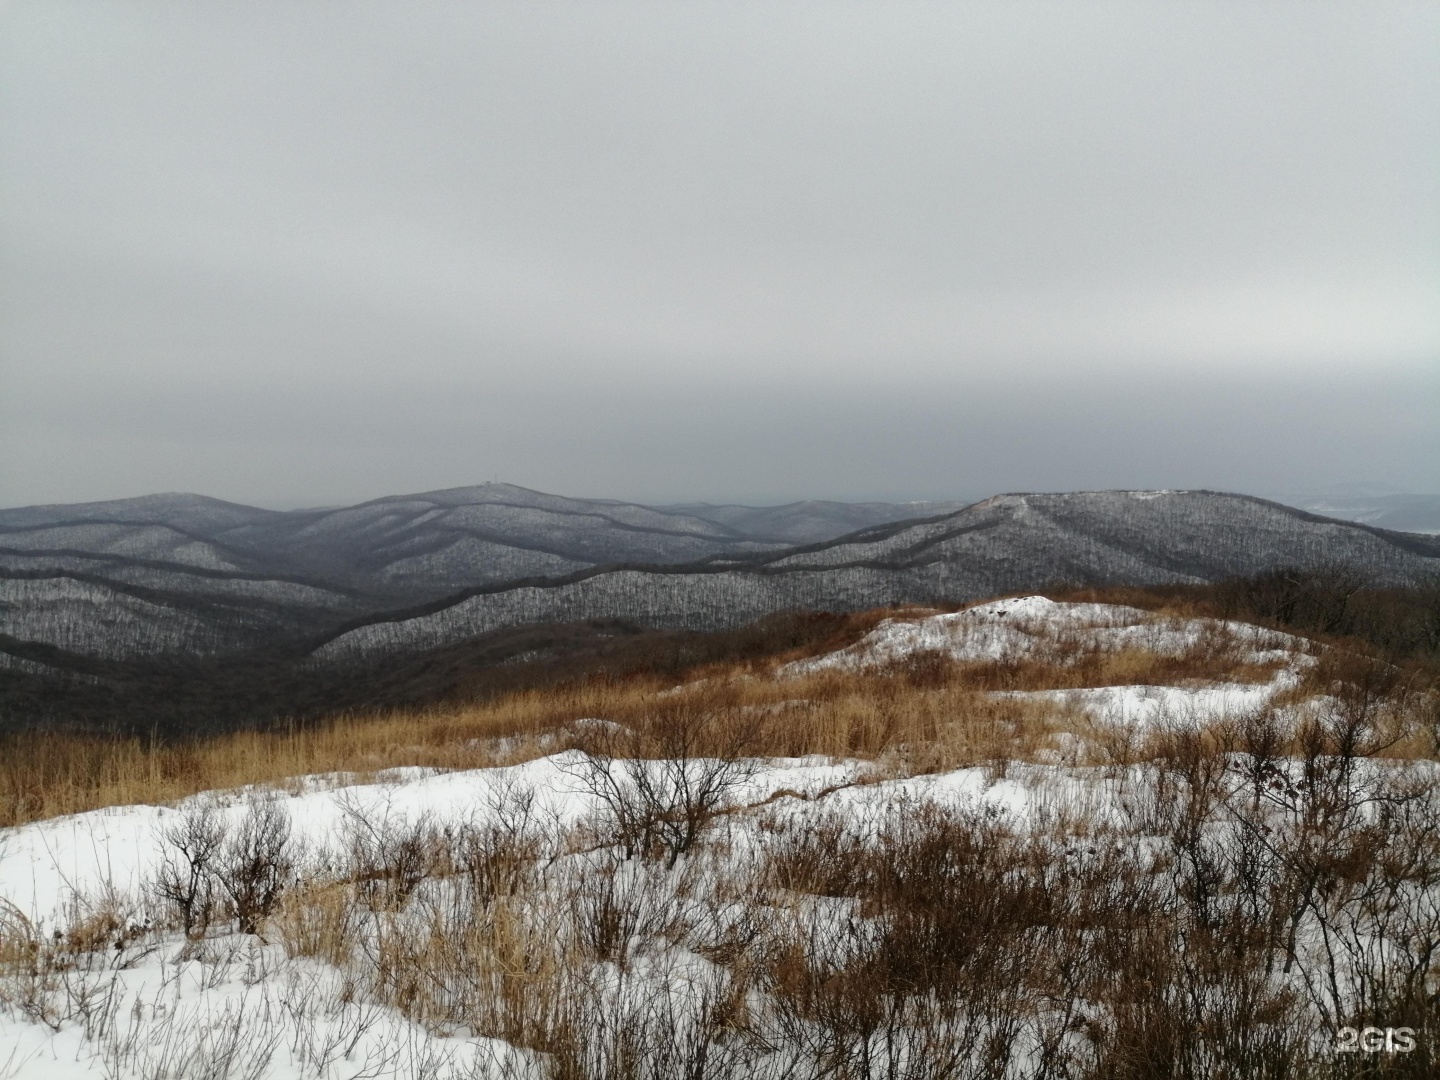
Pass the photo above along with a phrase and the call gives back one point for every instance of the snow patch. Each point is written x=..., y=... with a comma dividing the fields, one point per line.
x=1033, y=625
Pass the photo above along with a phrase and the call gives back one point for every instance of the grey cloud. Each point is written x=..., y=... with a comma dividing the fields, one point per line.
x=322, y=252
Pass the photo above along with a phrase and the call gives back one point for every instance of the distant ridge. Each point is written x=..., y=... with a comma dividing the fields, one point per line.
x=1402, y=512
x=183, y=575
x=1003, y=544
x=814, y=521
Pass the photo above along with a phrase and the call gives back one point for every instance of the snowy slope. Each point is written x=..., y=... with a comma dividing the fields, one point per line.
x=1032, y=627
x=1005, y=544
x=237, y=1007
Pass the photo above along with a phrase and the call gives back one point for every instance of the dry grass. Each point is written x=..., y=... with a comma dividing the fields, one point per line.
x=44, y=774
x=927, y=713
x=1223, y=921
x=836, y=714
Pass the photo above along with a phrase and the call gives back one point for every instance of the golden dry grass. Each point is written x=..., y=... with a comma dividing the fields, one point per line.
x=924, y=714
x=45, y=775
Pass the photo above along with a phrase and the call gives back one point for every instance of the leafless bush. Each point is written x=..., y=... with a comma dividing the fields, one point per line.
x=328, y=1024
x=498, y=853
x=257, y=863
x=659, y=787
x=185, y=879
x=916, y=963
x=617, y=906
x=389, y=856
x=1311, y=598
x=194, y=1043
x=665, y=1023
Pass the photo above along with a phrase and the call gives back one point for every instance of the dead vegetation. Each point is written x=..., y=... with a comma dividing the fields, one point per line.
x=835, y=714
x=1239, y=894
x=1236, y=912
x=924, y=713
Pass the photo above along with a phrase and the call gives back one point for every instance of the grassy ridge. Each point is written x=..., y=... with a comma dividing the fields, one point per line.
x=924, y=714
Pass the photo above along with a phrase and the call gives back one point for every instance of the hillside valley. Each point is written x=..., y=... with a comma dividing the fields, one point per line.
x=719, y=869
x=209, y=609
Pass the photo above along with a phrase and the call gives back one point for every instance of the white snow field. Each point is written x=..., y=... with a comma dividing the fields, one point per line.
x=44, y=866
x=96, y=979
x=236, y=1006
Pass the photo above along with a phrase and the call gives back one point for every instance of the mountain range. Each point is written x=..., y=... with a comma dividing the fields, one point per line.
x=91, y=592
x=1402, y=511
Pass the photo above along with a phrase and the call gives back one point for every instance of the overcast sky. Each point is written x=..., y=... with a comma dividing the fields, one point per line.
x=307, y=253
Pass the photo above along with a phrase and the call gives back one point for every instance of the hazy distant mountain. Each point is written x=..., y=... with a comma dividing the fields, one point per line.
x=289, y=569
x=395, y=548
x=185, y=611
x=183, y=575
x=439, y=541
x=185, y=572
x=187, y=513
x=150, y=575
x=1401, y=512
x=1007, y=543
x=811, y=522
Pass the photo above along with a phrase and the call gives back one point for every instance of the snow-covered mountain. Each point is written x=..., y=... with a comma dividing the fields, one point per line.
x=1004, y=544
x=813, y=521
x=166, y=582
x=166, y=573
x=396, y=548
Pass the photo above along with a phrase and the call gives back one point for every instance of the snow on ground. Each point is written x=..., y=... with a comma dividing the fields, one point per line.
x=234, y=1006
x=44, y=865
x=207, y=996
x=1162, y=706
x=238, y=1009
x=1033, y=627
x=993, y=631
x=191, y=1009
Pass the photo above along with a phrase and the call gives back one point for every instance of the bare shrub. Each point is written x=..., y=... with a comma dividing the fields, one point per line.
x=497, y=855
x=389, y=857
x=618, y=906
x=1307, y=888
x=257, y=863
x=917, y=964
x=1311, y=598
x=231, y=1044
x=659, y=787
x=1352, y=844
x=667, y=1023
x=185, y=879
x=825, y=856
